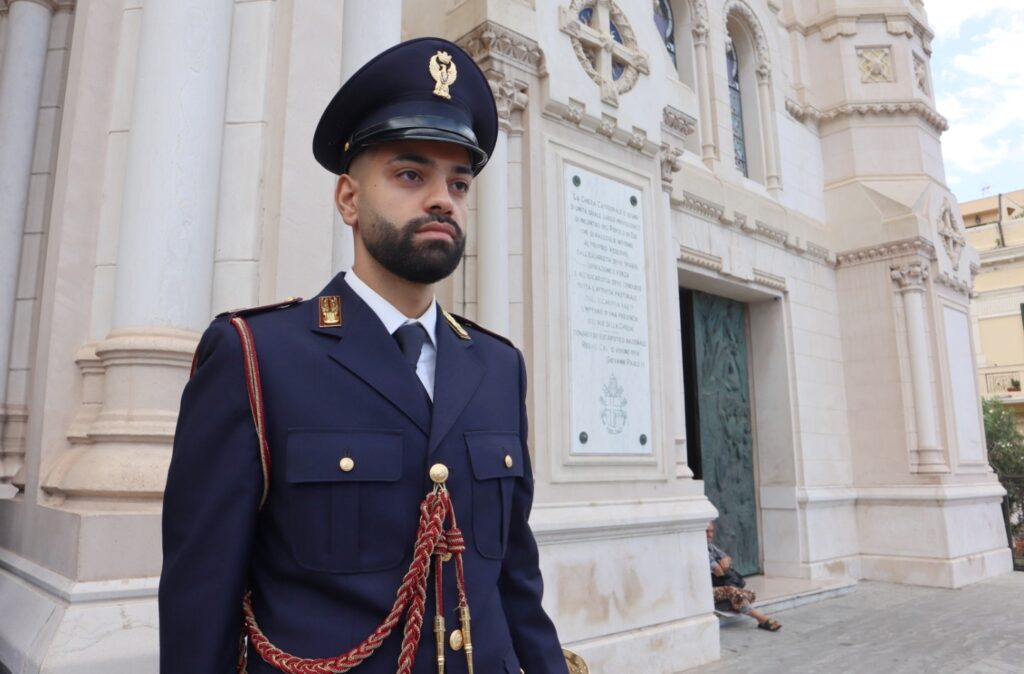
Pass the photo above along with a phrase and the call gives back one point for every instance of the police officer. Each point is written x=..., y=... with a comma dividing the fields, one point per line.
x=315, y=436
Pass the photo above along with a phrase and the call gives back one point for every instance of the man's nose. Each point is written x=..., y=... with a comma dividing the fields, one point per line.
x=439, y=199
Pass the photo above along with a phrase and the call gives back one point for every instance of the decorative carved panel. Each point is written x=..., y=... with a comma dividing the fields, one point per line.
x=875, y=64
x=952, y=238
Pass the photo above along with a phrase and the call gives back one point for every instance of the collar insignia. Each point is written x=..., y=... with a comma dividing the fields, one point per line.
x=456, y=326
x=444, y=72
x=330, y=311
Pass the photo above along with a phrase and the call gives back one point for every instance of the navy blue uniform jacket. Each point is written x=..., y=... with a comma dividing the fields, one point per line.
x=326, y=555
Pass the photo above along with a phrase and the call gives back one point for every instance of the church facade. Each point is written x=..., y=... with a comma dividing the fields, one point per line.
x=718, y=229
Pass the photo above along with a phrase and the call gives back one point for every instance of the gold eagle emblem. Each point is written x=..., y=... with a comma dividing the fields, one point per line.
x=444, y=72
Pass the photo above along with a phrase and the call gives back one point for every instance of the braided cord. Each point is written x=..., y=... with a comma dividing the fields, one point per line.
x=431, y=539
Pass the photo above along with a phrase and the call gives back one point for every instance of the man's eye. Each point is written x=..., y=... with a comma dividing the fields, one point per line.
x=408, y=174
x=461, y=186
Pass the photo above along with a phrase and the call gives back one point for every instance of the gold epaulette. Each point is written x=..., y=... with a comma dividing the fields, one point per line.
x=457, y=323
x=252, y=311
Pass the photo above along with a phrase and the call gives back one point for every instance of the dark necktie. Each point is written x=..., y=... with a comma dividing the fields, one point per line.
x=410, y=338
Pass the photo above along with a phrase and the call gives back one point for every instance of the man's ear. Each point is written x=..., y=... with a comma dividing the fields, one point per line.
x=346, y=198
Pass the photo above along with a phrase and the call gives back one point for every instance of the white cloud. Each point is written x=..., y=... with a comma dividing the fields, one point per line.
x=982, y=90
x=946, y=16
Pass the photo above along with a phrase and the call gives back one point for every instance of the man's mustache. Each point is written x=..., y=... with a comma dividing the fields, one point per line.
x=416, y=223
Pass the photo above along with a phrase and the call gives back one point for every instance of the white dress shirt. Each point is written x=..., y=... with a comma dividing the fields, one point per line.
x=393, y=319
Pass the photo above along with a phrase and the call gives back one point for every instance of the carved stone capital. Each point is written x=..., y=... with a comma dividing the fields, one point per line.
x=670, y=163
x=510, y=96
x=910, y=277
x=491, y=43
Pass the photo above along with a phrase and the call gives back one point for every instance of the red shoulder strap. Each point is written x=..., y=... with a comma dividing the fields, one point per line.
x=252, y=381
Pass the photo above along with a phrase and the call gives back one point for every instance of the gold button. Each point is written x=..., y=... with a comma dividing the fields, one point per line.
x=455, y=640
x=439, y=473
x=347, y=464
x=508, y=460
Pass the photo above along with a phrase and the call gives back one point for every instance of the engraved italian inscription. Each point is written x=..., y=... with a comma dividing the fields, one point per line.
x=610, y=380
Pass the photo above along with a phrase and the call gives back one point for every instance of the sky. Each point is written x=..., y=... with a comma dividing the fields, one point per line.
x=978, y=75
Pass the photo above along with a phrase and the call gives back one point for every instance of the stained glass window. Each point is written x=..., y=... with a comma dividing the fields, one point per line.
x=586, y=16
x=666, y=27
x=736, y=105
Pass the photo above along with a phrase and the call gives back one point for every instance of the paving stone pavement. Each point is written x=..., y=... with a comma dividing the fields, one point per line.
x=881, y=627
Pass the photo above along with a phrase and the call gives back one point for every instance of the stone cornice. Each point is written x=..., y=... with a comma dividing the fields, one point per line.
x=915, y=246
x=956, y=284
x=697, y=258
x=1006, y=255
x=838, y=23
x=869, y=108
x=606, y=126
x=712, y=212
x=702, y=208
x=493, y=41
x=678, y=122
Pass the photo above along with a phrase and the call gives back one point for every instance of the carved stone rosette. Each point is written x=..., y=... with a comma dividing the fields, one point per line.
x=953, y=240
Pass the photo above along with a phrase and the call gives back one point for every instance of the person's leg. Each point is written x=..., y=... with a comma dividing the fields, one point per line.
x=763, y=621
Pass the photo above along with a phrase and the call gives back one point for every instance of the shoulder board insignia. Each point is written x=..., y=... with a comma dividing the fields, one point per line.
x=456, y=326
x=330, y=311
x=252, y=311
x=465, y=321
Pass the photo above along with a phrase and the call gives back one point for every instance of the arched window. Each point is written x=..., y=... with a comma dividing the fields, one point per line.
x=674, y=21
x=736, y=107
x=742, y=64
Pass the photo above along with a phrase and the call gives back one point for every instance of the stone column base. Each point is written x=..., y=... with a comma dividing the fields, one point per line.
x=937, y=535
x=52, y=625
x=627, y=582
x=12, y=450
x=949, y=573
x=124, y=429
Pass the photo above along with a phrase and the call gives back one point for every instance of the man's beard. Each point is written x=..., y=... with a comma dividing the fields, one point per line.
x=418, y=262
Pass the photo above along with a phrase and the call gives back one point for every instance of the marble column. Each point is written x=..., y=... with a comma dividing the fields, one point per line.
x=368, y=28
x=21, y=85
x=764, y=104
x=707, y=130
x=671, y=164
x=492, y=213
x=912, y=282
x=165, y=251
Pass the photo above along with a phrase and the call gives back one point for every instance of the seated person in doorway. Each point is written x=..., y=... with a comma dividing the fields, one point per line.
x=728, y=585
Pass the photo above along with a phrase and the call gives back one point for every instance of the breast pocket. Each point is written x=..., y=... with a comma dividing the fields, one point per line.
x=497, y=460
x=343, y=490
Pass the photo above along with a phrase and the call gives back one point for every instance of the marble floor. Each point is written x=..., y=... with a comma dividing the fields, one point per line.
x=881, y=627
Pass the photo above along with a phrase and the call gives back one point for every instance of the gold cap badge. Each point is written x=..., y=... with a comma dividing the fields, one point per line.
x=444, y=72
x=330, y=311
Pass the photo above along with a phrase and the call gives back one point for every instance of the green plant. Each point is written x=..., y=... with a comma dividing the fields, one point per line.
x=1006, y=454
x=1004, y=440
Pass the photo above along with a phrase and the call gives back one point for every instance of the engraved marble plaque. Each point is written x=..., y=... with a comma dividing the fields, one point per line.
x=610, y=377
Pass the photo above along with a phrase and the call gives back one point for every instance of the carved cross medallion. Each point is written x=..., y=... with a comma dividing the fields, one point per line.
x=605, y=45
